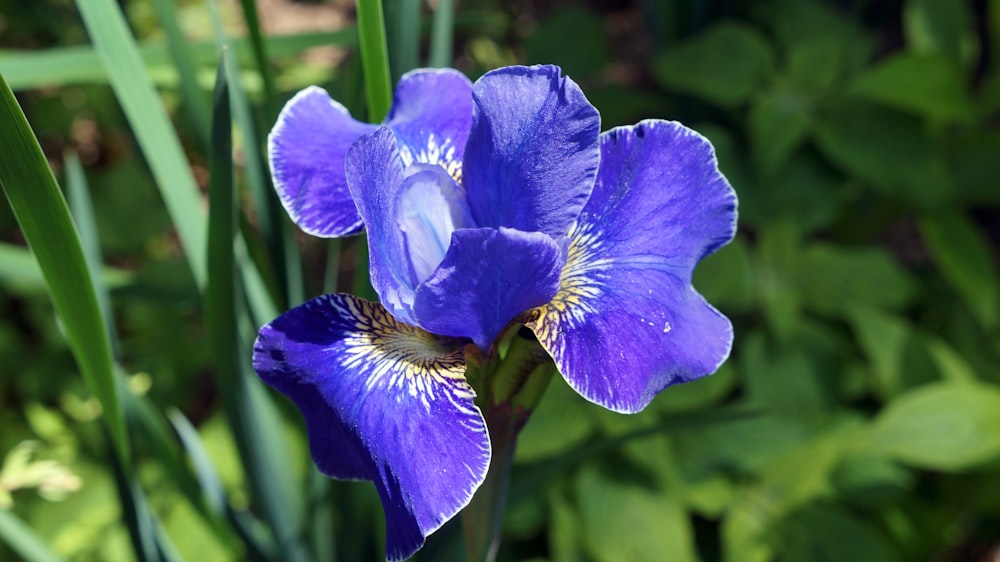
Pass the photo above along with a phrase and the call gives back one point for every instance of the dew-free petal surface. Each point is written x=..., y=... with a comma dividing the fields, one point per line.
x=382, y=402
x=488, y=277
x=626, y=322
x=532, y=155
x=306, y=150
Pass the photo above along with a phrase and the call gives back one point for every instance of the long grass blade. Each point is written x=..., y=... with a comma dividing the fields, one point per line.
x=443, y=34
x=402, y=20
x=252, y=19
x=374, y=58
x=19, y=267
x=45, y=221
x=195, y=101
x=248, y=408
x=151, y=125
x=62, y=66
x=22, y=539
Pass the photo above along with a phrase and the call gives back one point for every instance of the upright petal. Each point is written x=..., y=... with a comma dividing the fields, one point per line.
x=626, y=322
x=431, y=115
x=382, y=402
x=376, y=178
x=532, y=155
x=306, y=149
x=488, y=277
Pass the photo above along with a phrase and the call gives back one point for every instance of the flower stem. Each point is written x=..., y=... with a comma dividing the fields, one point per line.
x=482, y=519
x=374, y=58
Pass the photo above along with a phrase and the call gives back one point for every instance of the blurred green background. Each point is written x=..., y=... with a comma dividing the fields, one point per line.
x=858, y=418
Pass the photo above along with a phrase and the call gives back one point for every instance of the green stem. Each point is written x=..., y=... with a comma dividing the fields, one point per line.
x=442, y=34
x=482, y=519
x=374, y=58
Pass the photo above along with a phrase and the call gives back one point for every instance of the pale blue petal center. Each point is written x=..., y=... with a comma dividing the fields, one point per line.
x=431, y=207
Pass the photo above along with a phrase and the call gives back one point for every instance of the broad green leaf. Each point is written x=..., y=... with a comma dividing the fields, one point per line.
x=726, y=277
x=804, y=193
x=928, y=85
x=151, y=125
x=941, y=27
x=575, y=26
x=560, y=423
x=952, y=365
x=626, y=520
x=783, y=379
x=871, y=480
x=724, y=65
x=830, y=279
x=944, y=426
x=779, y=121
x=826, y=534
x=46, y=223
x=888, y=150
x=898, y=355
x=564, y=530
x=966, y=261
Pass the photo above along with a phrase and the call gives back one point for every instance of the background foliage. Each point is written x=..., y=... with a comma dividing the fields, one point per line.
x=857, y=419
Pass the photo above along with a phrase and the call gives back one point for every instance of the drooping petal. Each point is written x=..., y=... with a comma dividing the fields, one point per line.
x=431, y=116
x=488, y=277
x=532, y=155
x=626, y=322
x=376, y=177
x=382, y=402
x=306, y=150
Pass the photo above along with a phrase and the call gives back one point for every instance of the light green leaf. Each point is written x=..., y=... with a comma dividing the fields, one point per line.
x=19, y=267
x=623, y=520
x=891, y=151
x=966, y=261
x=724, y=65
x=151, y=125
x=944, y=426
x=22, y=539
x=780, y=120
x=941, y=27
x=929, y=85
x=46, y=223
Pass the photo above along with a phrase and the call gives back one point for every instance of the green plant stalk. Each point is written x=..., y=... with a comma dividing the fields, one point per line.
x=442, y=34
x=374, y=58
x=252, y=20
x=46, y=223
x=151, y=125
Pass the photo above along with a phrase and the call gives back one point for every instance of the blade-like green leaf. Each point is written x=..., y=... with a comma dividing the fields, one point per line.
x=442, y=34
x=46, y=223
x=252, y=20
x=18, y=266
x=251, y=414
x=402, y=21
x=195, y=101
x=151, y=125
x=81, y=64
x=23, y=540
x=374, y=58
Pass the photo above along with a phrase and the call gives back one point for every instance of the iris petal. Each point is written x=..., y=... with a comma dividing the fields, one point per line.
x=431, y=115
x=626, y=322
x=306, y=149
x=382, y=402
x=376, y=178
x=488, y=277
x=532, y=154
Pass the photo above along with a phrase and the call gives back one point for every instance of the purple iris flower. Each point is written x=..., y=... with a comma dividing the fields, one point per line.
x=486, y=205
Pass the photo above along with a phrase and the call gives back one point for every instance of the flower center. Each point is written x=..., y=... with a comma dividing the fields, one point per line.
x=430, y=207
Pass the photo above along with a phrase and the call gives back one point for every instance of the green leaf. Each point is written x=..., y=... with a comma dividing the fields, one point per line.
x=151, y=125
x=964, y=258
x=780, y=120
x=726, y=277
x=374, y=58
x=575, y=26
x=45, y=221
x=804, y=193
x=442, y=34
x=890, y=151
x=871, y=480
x=898, y=355
x=20, y=537
x=724, y=65
x=928, y=85
x=560, y=423
x=19, y=267
x=942, y=27
x=623, y=520
x=832, y=279
x=783, y=379
x=945, y=426
x=402, y=22
x=826, y=534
